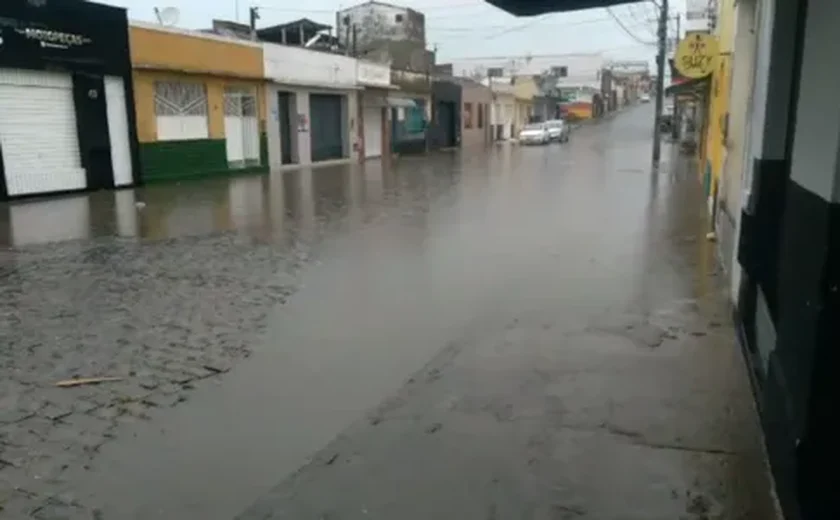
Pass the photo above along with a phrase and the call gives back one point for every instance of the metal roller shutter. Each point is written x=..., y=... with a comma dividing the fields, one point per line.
x=325, y=126
x=38, y=137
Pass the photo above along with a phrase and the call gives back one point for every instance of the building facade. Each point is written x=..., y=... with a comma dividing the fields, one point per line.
x=312, y=103
x=476, y=125
x=375, y=80
x=66, y=120
x=199, y=101
x=502, y=112
x=411, y=111
x=365, y=26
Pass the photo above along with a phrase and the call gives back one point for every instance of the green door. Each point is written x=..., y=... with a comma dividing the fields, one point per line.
x=325, y=127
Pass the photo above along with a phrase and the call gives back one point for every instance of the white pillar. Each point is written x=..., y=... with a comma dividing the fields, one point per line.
x=304, y=145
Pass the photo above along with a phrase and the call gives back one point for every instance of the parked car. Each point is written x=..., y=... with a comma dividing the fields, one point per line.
x=558, y=130
x=535, y=133
x=644, y=98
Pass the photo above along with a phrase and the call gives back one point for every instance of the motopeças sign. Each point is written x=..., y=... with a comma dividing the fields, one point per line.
x=74, y=35
x=54, y=39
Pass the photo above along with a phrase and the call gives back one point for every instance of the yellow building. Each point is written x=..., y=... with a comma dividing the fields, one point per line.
x=200, y=103
x=713, y=153
x=524, y=90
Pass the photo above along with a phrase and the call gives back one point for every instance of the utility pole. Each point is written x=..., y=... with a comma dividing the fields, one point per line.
x=676, y=117
x=254, y=15
x=662, y=33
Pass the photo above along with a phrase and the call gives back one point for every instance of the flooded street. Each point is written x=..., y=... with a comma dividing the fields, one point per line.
x=524, y=332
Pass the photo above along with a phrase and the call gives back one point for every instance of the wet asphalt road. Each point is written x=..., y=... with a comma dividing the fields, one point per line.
x=522, y=333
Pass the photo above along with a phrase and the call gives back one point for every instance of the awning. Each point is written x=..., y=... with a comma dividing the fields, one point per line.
x=534, y=7
x=687, y=86
x=401, y=102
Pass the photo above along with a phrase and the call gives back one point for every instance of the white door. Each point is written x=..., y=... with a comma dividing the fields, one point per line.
x=118, y=131
x=242, y=131
x=38, y=136
x=373, y=131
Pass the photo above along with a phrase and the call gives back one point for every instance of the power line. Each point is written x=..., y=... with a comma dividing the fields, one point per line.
x=624, y=27
x=550, y=56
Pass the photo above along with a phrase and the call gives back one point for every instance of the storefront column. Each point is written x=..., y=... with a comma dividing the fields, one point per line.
x=304, y=144
x=790, y=250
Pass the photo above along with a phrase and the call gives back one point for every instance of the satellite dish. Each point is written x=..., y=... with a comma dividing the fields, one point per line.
x=167, y=16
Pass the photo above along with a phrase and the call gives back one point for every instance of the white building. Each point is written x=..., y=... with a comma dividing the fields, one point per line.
x=323, y=106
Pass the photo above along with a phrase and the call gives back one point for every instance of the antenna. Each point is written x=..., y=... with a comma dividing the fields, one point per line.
x=167, y=16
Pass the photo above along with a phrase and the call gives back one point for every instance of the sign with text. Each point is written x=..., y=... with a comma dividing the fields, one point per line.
x=696, y=55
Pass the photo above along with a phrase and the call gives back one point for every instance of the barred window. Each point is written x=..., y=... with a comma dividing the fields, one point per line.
x=240, y=102
x=180, y=99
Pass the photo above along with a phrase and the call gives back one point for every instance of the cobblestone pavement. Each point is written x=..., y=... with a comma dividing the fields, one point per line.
x=161, y=315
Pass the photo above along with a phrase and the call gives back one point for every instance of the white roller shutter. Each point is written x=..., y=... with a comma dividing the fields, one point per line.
x=373, y=131
x=118, y=131
x=38, y=137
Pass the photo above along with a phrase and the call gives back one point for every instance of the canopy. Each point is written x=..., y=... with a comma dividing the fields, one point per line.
x=535, y=7
x=401, y=102
x=686, y=86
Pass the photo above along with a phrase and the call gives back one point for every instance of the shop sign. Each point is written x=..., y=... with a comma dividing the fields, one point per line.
x=696, y=55
x=53, y=39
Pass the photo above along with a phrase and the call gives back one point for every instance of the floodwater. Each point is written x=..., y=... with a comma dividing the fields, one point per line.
x=535, y=332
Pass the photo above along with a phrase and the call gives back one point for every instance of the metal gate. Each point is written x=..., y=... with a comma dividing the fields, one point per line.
x=325, y=127
x=242, y=134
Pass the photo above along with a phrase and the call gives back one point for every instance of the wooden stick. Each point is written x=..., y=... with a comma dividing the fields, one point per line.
x=86, y=381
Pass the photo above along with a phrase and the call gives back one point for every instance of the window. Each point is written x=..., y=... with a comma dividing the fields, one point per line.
x=346, y=20
x=398, y=18
x=181, y=110
x=468, y=115
x=481, y=109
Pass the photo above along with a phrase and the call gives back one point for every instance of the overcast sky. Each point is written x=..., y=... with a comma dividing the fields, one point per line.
x=458, y=28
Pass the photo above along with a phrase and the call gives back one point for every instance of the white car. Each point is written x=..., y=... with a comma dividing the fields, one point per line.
x=644, y=98
x=558, y=130
x=534, y=133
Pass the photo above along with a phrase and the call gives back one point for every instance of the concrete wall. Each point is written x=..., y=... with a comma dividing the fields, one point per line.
x=718, y=108
x=476, y=94
x=375, y=21
x=372, y=74
x=298, y=66
x=743, y=72
x=162, y=48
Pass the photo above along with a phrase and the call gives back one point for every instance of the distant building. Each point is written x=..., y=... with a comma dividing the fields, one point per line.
x=370, y=23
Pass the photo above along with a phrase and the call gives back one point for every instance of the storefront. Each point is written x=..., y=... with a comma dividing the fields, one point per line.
x=411, y=111
x=65, y=76
x=375, y=111
x=312, y=102
x=200, y=105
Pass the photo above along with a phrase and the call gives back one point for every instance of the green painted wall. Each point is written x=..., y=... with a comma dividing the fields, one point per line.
x=173, y=160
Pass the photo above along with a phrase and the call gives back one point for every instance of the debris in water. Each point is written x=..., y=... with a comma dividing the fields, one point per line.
x=86, y=381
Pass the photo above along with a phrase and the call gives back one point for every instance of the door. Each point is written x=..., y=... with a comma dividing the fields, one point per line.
x=284, y=118
x=118, y=131
x=39, y=142
x=325, y=126
x=373, y=131
x=446, y=123
x=242, y=139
